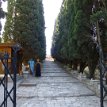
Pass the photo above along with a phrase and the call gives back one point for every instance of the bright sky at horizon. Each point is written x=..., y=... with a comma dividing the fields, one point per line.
x=4, y=6
x=51, y=10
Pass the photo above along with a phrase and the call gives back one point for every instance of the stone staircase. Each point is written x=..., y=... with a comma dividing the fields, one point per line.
x=93, y=85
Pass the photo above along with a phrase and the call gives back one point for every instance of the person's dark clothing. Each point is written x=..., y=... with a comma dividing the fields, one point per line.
x=38, y=70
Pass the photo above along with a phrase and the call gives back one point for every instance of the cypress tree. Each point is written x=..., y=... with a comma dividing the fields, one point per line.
x=28, y=27
x=74, y=36
x=8, y=28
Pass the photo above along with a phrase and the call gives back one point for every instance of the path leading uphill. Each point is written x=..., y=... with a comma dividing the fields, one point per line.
x=56, y=88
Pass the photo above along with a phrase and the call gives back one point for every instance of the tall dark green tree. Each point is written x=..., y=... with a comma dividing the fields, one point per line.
x=8, y=28
x=61, y=33
x=73, y=37
x=27, y=27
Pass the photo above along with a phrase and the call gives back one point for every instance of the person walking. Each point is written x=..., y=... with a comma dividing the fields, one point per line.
x=31, y=65
x=38, y=68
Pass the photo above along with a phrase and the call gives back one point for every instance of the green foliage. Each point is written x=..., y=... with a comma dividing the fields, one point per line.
x=98, y=15
x=72, y=37
x=25, y=25
x=8, y=28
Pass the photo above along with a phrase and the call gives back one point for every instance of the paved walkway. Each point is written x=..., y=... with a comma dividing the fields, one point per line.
x=55, y=88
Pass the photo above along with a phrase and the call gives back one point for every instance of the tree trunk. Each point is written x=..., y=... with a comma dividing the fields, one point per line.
x=91, y=66
x=82, y=67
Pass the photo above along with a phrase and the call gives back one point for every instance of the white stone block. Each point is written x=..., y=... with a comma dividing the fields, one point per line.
x=25, y=74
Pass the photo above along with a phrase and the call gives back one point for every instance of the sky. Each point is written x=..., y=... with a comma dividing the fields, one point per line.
x=51, y=10
x=4, y=6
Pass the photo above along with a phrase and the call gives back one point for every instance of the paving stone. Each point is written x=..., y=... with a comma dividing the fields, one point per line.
x=56, y=88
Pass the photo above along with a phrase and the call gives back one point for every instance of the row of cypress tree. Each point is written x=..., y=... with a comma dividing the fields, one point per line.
x=73, y=39
x=25, y=25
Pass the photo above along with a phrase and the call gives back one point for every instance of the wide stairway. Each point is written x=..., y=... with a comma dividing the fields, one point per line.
x=55, y=88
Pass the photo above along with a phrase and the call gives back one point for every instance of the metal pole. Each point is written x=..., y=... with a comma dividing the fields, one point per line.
x=15, y=72
x=101, y=85
x=101, y=62
x=15, y=49
x=5, y=82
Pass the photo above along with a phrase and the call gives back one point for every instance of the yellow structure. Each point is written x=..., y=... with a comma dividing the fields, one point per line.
x=8, y=48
